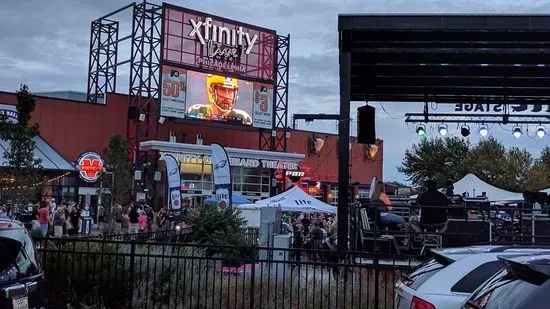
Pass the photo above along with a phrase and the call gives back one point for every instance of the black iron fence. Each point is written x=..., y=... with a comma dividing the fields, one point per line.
x=97, y=273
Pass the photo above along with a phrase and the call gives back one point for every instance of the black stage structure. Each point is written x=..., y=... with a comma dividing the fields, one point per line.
x=501, y=59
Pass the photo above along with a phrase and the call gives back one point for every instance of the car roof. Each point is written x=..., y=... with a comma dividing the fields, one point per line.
x=455, y=254
x=536, y=262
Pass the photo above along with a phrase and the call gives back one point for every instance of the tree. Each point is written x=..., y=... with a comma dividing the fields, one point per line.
x=23, y=171
x=119, y=167
x=518, y=165
x=440, y=159
x=487, y=161
x=539, y=176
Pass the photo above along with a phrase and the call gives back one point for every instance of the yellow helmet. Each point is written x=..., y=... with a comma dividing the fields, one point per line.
x=222, y=91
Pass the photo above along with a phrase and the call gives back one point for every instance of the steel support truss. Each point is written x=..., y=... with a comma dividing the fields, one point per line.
x=275, y=139
x=103, y=59
x=477, y=118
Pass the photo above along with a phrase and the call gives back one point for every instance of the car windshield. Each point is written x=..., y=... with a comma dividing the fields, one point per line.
x=502, y=291
x=422, y=273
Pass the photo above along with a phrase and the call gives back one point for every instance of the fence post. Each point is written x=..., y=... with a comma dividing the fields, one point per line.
x=131, y=277
x=252, y=282
x=376, y=279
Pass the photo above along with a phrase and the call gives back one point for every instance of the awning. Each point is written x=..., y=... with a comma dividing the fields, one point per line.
x=51, y=159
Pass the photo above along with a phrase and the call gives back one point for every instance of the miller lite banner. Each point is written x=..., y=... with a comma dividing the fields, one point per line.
x=174, y=183
x=222, y=176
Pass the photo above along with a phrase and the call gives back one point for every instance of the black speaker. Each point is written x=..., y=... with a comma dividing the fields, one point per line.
x=133, y=113
x=366, y=128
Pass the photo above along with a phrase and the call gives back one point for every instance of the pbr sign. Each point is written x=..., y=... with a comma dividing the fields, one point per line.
x=90, y=166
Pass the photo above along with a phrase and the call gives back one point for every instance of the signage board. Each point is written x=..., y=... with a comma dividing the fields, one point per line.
x=198, y=40
x=234, y=161
x=499, y=108
x=174, y=89
x=90, y=165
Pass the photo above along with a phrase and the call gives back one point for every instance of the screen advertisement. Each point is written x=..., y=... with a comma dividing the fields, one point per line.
x=219, y=98
x=172, y=97
x=263, y=105
x=198, y=40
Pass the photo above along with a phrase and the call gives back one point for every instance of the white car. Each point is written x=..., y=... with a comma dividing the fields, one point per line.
x=447, y=280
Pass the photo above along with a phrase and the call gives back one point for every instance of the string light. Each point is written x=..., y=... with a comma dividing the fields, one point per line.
x=36, y=184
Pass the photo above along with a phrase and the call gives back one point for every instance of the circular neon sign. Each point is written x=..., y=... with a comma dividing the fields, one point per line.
x=90, y=166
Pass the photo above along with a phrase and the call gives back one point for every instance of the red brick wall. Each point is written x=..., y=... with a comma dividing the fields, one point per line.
x=75, y=127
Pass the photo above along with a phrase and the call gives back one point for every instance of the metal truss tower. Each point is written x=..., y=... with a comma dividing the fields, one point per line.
x=275, y=140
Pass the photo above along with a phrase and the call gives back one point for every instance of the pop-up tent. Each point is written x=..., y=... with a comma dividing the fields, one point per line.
x=295, y=199
x=236, y=199
x=477, y=187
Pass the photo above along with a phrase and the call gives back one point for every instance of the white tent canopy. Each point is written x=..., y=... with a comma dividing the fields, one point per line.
x=295, y=199
x=475, y=187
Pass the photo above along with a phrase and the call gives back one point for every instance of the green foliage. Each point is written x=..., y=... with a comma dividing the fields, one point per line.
x=211, y=226
x=118, y=163
x=511, y=169
x=440, y=159
x=23, y=166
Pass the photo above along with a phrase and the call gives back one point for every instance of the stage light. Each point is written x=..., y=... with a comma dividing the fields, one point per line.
x=541, y=132
x=161, y=120
x=443, y=129
x=517, y=132
x=483, y=130
x=420, y=130
x=465, y=130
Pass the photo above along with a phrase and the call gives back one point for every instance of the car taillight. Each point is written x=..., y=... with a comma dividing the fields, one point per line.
x=418, y=303
x=6, y=225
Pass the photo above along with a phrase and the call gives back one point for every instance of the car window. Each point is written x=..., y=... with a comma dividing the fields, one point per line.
x=480, y=274
x=422, y=273
x=504, y=291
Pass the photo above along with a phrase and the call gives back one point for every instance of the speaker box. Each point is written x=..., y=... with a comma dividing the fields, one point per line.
x=366, y=128
x=133, y=113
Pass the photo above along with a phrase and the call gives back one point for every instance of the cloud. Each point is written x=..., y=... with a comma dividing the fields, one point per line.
x=45, y=44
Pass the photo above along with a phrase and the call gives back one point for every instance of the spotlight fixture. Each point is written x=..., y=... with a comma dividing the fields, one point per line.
x=465, y=130
x=420, y=130
x=483, y=130
x=141, y=117
x=517, y=132
x=541, y=132
x=443, y=129
x=161, y=120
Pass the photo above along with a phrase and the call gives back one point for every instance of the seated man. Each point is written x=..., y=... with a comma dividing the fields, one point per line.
x=433, y=211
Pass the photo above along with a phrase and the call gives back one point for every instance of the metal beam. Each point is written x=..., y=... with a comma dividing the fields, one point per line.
x=477, y=118
x=454, y=58
x=343, y=150
x=465, y=70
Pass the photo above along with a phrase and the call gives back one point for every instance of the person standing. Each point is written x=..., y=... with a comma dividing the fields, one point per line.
x=134, y=220
x=44, y=219
x=74, y=221
x=58, y=222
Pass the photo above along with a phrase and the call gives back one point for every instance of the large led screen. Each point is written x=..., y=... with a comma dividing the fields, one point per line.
x=215, y=97
x=199, y=40
x=219, y=98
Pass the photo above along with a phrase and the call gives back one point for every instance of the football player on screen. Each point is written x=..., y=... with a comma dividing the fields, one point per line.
x=222, y=94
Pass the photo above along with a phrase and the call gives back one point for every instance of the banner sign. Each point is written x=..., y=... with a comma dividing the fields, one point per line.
x=233, y=161
x=200, y=40
x=263, y=106
x=173, y=95
x=499, y=108
x=222, y=176
x=174, y=182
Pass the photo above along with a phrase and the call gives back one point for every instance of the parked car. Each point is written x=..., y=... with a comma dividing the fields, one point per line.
x=452, y=274
x=20, y=270
x=523, y=284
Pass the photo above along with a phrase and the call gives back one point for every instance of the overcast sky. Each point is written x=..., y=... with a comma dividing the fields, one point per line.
x=45, y=45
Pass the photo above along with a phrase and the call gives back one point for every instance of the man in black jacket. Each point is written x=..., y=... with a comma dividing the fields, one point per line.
x=433, y=211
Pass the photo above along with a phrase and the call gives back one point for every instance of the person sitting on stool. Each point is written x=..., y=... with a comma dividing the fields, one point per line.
x=435, y=214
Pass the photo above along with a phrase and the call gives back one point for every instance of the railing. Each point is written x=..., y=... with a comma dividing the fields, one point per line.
x=130, y=274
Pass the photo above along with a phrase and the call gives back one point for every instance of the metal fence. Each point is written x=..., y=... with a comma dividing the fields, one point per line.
x=98, y=273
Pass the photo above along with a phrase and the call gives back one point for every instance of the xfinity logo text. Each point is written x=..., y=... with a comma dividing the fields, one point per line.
x=218, y=38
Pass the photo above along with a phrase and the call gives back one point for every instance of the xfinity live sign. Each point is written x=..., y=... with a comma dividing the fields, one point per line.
x=222, y=41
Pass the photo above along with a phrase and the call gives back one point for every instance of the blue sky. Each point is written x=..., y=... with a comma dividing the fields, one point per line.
x=45, y=44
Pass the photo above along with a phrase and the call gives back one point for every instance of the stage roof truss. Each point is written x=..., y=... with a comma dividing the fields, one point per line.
x=448, y=58
x=476, y=118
